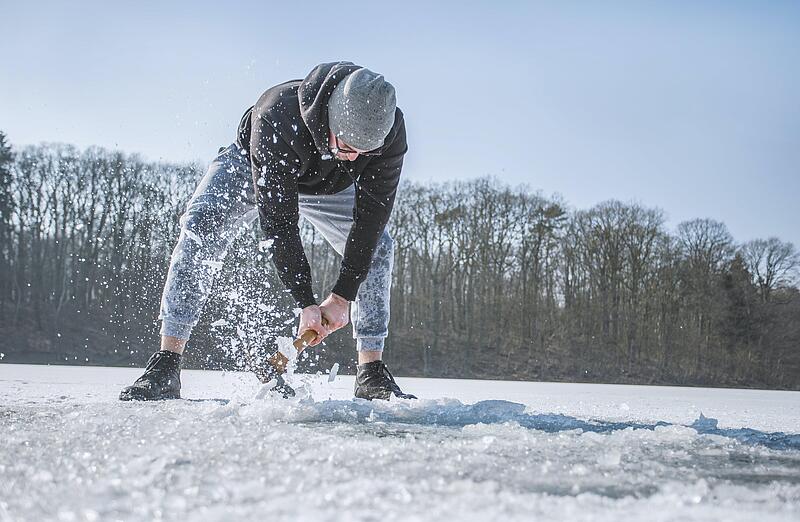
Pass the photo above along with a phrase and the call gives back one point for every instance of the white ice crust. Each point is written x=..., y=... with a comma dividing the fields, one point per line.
x=467, y=450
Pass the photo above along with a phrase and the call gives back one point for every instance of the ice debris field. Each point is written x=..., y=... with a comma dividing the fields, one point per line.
x=467, y=450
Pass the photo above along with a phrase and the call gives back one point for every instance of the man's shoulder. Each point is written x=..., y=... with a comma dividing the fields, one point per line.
x=279, y=102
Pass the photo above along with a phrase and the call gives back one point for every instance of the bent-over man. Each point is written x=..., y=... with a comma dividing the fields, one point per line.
x=329, y=148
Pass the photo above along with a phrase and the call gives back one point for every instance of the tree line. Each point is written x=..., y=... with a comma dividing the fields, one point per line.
x=490, y=281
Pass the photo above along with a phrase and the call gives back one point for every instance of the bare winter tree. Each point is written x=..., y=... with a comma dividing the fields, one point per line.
x=707, y=248
x=772, y=264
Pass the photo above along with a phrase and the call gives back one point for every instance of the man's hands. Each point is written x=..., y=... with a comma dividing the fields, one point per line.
x=311, y=319
x=332, y=314
x=335, y=311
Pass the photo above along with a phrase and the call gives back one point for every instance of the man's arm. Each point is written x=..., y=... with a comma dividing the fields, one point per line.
x=375, y=194
x=276, y=193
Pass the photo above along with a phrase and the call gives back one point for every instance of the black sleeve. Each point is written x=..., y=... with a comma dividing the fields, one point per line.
x=376, y=189
x=276, y=194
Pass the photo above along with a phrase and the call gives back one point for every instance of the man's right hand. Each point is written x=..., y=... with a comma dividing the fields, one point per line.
x=311, y=319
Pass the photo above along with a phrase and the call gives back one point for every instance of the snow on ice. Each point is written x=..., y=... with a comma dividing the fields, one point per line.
x=492, y=450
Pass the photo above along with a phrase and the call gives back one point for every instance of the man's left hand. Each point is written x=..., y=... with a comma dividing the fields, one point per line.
x=335, y=311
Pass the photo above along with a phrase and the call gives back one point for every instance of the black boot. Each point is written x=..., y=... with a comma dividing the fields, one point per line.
x=373, y=381
x=266, y=373
x=161, y=379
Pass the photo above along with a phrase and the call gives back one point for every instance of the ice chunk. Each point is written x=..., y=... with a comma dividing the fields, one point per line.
x=704, y=423
x=266, y=388
x=286, y=347
x=334, y=372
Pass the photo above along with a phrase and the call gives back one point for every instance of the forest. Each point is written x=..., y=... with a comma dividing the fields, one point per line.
x=491, y=281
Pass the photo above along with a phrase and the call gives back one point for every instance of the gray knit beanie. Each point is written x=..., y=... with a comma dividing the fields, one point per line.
x=361, y=109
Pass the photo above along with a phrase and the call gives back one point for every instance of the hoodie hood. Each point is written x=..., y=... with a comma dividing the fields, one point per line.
x=313, y=94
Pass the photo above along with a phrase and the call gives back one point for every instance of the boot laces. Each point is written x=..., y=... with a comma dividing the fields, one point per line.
x=157, y=362
x=386, y=376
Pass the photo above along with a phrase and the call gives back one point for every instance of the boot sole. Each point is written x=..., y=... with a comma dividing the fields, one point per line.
x=129, y=395
x=382, y=397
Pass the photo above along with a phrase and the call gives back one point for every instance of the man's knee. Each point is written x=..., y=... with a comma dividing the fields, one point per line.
x=385, y=247
x=205, y=221
x=383, y=258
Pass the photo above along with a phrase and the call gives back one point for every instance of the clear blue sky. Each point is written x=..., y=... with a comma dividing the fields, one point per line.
x=692, y=106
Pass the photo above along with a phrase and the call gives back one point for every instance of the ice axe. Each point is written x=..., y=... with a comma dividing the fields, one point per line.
x=287, y=350
x=280, y=359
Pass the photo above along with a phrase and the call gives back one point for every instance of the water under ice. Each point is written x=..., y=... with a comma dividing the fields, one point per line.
x=70, y=451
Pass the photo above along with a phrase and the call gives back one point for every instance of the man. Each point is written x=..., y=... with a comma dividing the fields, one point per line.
x=330, y=148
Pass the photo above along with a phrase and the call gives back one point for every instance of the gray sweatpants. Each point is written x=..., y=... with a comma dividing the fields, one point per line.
x=224, y=204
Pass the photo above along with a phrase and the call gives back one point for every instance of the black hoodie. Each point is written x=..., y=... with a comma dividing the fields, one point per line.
x=286, y=136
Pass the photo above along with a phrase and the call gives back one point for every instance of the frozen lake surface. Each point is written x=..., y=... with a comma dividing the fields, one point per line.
x=468, y=450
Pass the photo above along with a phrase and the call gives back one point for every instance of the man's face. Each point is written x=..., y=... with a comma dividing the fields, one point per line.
x=341, y=150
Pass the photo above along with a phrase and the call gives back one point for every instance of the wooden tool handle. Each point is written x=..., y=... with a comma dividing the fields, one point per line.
x=309, y=335
x=279, y=361
x=302, y=341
